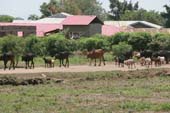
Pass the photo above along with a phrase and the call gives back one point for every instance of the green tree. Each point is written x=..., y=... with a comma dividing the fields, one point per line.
x=166, y=15
x=121, y=48
x=143, y=15
x=76, y=7
x=33, y=17
x=118, y=8
x=6, y=18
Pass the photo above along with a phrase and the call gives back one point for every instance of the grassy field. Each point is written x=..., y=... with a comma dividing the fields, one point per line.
x=100, y=92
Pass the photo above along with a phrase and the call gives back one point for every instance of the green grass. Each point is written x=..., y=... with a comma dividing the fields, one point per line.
x=100, y=92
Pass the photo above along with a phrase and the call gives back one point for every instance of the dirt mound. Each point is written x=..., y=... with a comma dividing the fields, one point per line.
x=8, y=80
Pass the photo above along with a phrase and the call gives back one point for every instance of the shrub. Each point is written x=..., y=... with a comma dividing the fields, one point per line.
x=121, y=48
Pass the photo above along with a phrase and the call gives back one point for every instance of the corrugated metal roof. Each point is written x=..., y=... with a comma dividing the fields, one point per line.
x=129, y=23
x=78, y=20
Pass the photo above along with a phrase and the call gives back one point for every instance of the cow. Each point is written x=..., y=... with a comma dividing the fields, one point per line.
x=96, y=54
x=146, y=53
x=130, y=63
x=163, y=53
x=61, y=56
x=28, y=57
x=48, y=62
x=9, y=56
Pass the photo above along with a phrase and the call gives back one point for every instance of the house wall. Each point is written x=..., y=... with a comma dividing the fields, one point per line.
x=95, y=29
x=84, y=30
x=14, y=30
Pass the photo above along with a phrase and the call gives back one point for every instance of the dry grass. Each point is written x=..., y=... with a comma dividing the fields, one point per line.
x=99, y=92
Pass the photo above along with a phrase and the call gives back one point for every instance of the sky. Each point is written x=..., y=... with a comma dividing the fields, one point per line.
x=23, y=8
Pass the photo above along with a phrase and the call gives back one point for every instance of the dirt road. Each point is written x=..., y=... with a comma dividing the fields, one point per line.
x=77, y=68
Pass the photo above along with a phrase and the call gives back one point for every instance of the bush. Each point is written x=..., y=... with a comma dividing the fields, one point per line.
x=139, y=41
x=119, y=37
x=13, y=44
x=95, y=42
x=121, y=48
x=58, y=43
x=160, y=41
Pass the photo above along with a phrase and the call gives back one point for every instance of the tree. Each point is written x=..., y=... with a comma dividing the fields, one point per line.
x=118, y=8
x=166, y=15
x=121, y=48
x=33, y=17
x=143, y=15
x=89, y=7
x=6, y=18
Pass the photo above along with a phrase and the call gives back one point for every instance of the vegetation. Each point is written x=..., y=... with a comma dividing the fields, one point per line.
x=97, y=92
x=6, y=18
x=50, y=45
x=75, y=7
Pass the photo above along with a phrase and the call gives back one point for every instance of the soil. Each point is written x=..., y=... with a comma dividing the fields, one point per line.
x=77, y=68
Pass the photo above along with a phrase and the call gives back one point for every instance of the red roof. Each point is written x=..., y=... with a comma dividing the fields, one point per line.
x=79, y=20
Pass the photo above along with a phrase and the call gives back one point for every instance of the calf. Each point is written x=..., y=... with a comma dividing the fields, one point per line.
x=130, y=63
x=48, y=62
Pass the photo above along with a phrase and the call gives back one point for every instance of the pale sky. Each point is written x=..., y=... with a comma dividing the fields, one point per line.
x=23, y=8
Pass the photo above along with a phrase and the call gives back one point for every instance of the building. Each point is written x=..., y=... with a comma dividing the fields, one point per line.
x=82, y=26
x=41, y=27
x=132, y=24
x=113, y=27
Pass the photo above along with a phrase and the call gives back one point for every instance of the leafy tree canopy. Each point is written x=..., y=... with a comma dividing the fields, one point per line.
x=76, y=7
x=6, y=18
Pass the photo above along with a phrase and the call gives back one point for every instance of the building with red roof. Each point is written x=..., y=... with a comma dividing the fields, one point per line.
x=82, y=26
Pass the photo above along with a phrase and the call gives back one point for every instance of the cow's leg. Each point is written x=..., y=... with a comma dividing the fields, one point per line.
x=67, y=62
x=103, y=61
x=95, y=62
x=25, y=64
x=33, y=64
x=5, y=65
x=60, y=62
x=100, y=61
x=90, y=61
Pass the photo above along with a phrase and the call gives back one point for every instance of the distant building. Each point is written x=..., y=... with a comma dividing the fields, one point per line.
x=113, y=27
x=132, y=24
x=42, y=27
x=79, y=26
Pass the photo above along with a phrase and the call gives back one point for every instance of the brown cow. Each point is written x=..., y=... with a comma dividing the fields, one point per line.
x=96, y=54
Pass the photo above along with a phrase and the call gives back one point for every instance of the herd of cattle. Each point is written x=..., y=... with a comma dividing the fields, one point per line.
x=145, y=58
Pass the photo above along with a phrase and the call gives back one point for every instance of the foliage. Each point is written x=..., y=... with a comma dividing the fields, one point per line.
x=58, y=43
x=118, y=8
x=89, y=7
x=139, y=41
x=94, y=42
x=119, y=37
x=143, y=15
x=160, y=42
x=32, y=44
x=166, y=15
x=13, y=44
x=33, y=17
x=121, y=48
x=6, y=18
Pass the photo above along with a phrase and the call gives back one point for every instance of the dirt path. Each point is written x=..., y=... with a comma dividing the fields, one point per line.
x=77, y=68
